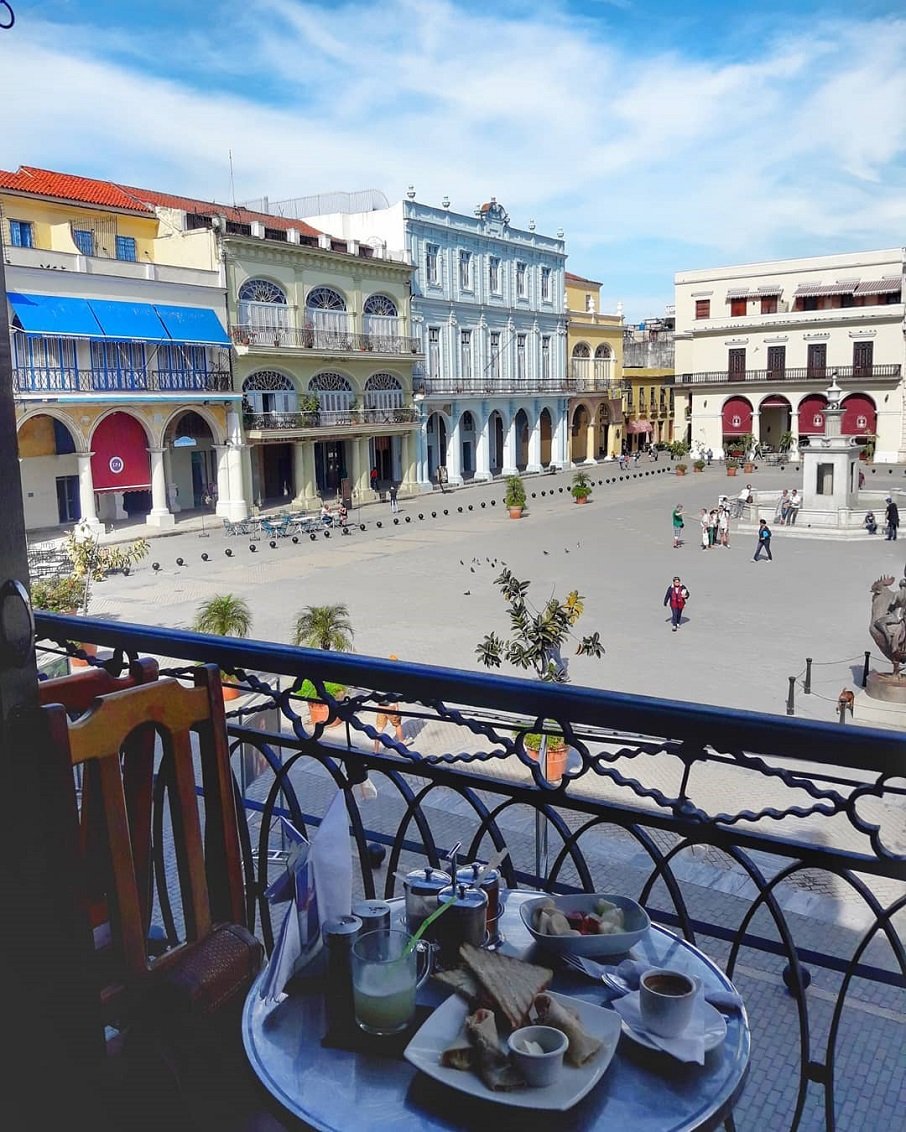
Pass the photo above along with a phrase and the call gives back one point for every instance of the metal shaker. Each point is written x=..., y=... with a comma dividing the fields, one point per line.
x=488, y=880
x=339, y=935
x=465, y=921
x=421, y=888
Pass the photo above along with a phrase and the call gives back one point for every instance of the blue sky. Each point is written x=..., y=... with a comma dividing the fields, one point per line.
x=661, y=137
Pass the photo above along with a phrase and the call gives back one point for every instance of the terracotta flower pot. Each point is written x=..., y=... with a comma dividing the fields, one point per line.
x=748, y=468
x=231, y=693
x=581, y=498
x=515, y=512
x=318, y=713
x=557, y=757
x=731, y=471
x=680, y=471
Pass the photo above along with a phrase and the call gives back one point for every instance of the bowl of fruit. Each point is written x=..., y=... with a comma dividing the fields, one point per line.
x=589, y=924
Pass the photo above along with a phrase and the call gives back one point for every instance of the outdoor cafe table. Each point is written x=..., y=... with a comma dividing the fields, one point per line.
x=641, y=1091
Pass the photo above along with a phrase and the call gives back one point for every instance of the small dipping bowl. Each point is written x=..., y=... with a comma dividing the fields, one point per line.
x=538, y=1069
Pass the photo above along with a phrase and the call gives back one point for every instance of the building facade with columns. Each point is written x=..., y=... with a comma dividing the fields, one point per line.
x=757, y=345
x=595, y=346
x=488, y=309
x=122, y=383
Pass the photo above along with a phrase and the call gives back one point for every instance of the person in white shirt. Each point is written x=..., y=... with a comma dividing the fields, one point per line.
x=794, y=505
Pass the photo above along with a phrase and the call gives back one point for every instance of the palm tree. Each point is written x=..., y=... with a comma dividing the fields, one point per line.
x=223, y=616
x=324, y=627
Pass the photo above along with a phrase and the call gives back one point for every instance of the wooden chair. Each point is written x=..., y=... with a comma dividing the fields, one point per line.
x=114, y=741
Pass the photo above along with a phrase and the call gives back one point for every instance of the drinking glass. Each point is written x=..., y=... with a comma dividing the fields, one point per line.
x=385, y=978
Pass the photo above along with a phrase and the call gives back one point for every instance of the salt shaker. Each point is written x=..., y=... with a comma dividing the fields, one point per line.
x=374, y=914
x=488, y=880
x=339, y=935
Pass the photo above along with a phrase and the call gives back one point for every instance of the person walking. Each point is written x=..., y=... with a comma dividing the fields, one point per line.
x=676, y=597
x=783, y=507
x=709, y=456
x=393, y=493
x=678, y=524
x=723, y=526
x=374, y=480
x=764, y=541
x=892, y=519
x=794, y=505
x=712, y=527
x=703, y=520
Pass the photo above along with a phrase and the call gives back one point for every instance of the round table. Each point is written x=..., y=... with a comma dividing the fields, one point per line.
x=642, y=1091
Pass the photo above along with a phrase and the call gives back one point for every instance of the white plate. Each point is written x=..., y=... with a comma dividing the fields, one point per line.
x=445, y=1025
x=715, y=1030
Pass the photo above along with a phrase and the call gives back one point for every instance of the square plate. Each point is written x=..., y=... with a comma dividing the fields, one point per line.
x=445, y=1025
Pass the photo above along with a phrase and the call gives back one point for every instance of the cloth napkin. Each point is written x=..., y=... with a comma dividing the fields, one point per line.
x=317, y=884
x=687, y=1046
x=631, y=971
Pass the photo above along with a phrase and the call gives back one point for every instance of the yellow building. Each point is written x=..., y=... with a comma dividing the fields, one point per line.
x=648, y=374
x=121, y=363
x=595, y=349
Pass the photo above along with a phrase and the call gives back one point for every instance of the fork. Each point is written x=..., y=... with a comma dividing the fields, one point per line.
x=596, y=971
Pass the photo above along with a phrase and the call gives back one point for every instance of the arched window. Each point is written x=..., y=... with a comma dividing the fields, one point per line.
x=326, y=319
x=381, y=324
x=581, y=363
x=262, y=305
x=268, y=391
x=334, y=392
x=603, y=361
x=467, y=422
x=383, y=391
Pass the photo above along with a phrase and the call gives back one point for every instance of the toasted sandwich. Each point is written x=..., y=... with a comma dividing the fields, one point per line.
x=510, y=984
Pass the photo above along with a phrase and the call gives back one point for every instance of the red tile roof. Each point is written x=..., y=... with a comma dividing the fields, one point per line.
x=70, y=187
x=212, y=208
x=581, y=279
x=109, y=194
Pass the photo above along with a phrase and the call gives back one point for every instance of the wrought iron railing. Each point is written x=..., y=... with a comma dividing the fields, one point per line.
x=728, y=825
x=806, y=373
x=331, y=418
x=483, y=386
x=71, y=380
x=327, y=339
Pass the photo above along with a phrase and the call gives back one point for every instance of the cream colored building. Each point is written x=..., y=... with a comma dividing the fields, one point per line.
x=595, y=347
x=757, y=344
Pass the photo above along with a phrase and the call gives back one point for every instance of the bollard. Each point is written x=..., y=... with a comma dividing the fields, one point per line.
x=865, y=669
x=807, y=686
x=841, y=708
x=791, y=697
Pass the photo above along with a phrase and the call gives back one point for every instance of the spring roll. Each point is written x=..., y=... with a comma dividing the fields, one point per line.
x=582, y=1045
x=491, y=1063
x=459, y=1055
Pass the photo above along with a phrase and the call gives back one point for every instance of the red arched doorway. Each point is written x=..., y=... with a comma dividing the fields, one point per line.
x=860, y=417
x=811, y=415
x=736, y=417
x=120, y=462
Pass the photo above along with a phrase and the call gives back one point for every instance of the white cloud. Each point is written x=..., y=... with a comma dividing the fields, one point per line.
x=803, y=139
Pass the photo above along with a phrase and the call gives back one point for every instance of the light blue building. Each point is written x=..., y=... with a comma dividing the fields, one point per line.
x=488, y=303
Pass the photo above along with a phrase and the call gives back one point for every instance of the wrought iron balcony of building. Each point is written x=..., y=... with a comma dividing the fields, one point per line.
x=69, y=379
x=774, y=810
x=493, y=386
x=323, y=340
x=822, y=374
x=331, y=419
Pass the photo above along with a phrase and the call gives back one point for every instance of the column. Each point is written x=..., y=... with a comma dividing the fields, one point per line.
x=534, y=444
x=237, y=454
x=591, y=448
x=483, y=445
x=421, y=455
x=794, y=429
x=411, y=472
x=361, y=469
x=756, y=426
x=223, y=481
x=159, y=516
x=560, y=454
x=87, y=501
x=509, y=448
x=454, y=455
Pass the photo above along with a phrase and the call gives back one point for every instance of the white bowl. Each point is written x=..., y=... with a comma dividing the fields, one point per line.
x=538, y=1069
x=635, y=918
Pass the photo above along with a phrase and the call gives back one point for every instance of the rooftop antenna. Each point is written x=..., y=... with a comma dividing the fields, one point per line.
x=232, y=182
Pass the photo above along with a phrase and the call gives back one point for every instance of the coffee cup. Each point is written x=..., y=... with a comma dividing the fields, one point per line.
x=666, y=1001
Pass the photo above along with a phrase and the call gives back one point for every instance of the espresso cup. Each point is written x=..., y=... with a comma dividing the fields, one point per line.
x=666, y=1001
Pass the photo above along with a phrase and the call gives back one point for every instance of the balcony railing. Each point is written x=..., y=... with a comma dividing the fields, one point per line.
x=324, y=340
x=344, y=418
x=807, y=373
x=481, y=387
x=728, y=825
x=71, y=380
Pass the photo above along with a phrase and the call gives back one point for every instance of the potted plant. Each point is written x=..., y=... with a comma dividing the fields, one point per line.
x=514, y=499
x=681, y=469
x=747, y=441
x=678, y=448
x=324, y=627
x=698, y=465
x=65, y=595
x=731, y=466
x=868, y=448
x=557, y=750
x=581, y=488
x=537, y=638
x=224, y=615
x=309, y=403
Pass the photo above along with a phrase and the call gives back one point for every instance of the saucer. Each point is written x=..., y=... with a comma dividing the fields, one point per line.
x=714, y=1023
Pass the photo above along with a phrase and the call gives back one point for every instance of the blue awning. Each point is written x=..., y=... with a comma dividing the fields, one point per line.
x=197, y=326
x=55, y=314
x=137, y=322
